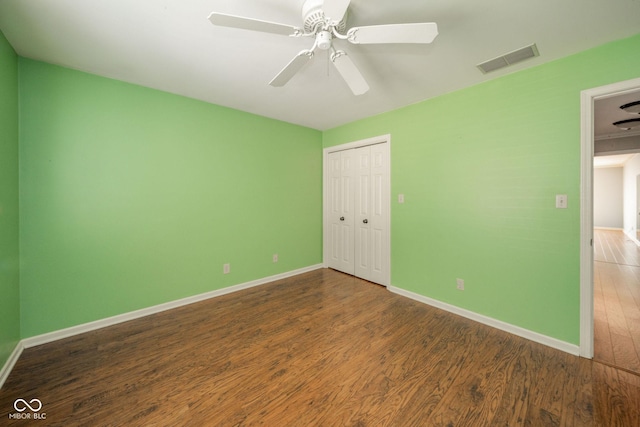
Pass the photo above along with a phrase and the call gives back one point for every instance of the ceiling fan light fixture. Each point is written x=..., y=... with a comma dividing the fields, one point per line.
x=631, y=107
x=627, y=124
x=323, y=40
x=325, y=20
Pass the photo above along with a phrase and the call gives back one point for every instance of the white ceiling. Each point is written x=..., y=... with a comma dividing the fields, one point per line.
x=615, y=161
x=607, y=111
x=171, y=46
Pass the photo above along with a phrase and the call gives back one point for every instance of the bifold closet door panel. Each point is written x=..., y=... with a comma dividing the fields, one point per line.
x=341, y=211
x=362, y=193
x=378, y=235
x=371, y=213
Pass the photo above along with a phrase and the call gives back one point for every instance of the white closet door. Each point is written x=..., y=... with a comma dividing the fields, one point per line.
x=379, y=215
x=371, y=213
x=363, y=213
x=358, y=209
x=341, y=208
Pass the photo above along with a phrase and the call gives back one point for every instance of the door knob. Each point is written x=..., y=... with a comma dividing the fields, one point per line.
x=366, y=221
x=341, y=218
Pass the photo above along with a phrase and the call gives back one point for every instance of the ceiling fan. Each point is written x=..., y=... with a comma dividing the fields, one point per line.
x=325, y=20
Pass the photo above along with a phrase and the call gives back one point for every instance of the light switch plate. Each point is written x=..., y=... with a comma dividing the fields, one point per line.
x=400, y=198
x=561, y=201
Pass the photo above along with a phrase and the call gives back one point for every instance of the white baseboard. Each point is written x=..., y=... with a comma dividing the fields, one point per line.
x=632, y=235
x=10, y=363
x=114, y=320
x=498, y=324
x=125, y=317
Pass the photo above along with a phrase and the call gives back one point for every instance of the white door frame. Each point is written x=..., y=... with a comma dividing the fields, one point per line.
x=587, y=98
x=381, y=139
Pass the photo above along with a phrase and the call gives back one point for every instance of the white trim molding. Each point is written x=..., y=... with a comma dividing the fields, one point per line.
x=632, y=236
x=125, y=317
x=587, y=99
x=10, y=363
x=489, y=321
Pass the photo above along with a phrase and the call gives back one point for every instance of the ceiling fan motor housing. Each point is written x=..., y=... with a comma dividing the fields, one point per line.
x=314, y=19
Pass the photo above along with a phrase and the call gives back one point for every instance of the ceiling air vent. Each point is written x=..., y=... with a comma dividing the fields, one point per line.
x=509, y=58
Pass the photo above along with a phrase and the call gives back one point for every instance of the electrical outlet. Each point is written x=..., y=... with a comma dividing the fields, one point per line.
x=226, y=268
x=460, y=284
x=275, y=257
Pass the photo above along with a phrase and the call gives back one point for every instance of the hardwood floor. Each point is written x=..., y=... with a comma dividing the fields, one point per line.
x=318, y=349
x=616, y=300
x=613, y=246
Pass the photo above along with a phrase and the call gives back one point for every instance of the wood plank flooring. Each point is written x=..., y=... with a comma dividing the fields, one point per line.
x=616, y=300
x=318, y=349
x=615, y=247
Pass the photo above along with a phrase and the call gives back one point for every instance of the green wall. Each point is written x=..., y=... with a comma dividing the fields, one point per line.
x=9, y=242
x=480, y=169
x=132, y=197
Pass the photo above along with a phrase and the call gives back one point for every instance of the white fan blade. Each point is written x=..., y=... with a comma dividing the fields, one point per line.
x=423, y=32
x=225, y=20
x=335, y=9
x=291, y=68
x=349, y=73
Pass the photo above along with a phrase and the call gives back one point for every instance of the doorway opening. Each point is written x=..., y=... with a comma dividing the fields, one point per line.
x=601, y=274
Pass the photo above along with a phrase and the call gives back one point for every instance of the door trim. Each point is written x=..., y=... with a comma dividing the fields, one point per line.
x=381, y=139
x=587, y=98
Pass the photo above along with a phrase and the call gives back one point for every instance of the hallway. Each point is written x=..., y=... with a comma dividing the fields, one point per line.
x=616, y=300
